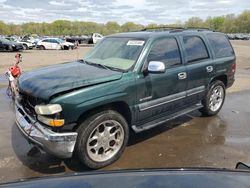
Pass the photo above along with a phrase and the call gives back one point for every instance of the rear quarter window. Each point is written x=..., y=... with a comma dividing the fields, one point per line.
x=220, y=45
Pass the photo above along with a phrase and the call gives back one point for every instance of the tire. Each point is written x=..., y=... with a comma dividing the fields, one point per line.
x=214, y=99
x=93, y=140
x=10, y=49
x=25, y=46
x=42, y=48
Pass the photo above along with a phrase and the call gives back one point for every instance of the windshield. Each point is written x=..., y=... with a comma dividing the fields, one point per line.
x=4, y=40
x=119, y=53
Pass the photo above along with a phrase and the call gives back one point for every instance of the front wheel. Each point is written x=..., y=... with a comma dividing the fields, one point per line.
x=25, y=46
x=42, y=48
x=102, y=139
x=214, y=99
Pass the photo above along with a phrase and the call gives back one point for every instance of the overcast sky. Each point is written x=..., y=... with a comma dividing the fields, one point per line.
x=121, y=11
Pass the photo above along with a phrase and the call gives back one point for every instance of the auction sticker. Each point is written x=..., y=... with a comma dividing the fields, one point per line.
x=135, y=43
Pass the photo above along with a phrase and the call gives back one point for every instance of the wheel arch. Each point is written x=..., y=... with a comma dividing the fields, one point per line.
x=119, y=106
x=222, y=78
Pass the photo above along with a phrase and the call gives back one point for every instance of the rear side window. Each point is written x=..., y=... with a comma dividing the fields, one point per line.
x=220, y=45
x=53, y=41
x=165, y=50
x=195, y=48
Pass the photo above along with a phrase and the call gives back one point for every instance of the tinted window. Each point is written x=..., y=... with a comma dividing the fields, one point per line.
x=165, y=50
x=46, y=40
x=53, y=41
x=195, y=48
x=220, y=44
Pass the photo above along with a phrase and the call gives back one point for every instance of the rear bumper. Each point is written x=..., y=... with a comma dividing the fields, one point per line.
x=58, y=144
x=230, y=82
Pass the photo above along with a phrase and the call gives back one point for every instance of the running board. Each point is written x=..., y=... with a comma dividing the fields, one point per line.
x=162, y=120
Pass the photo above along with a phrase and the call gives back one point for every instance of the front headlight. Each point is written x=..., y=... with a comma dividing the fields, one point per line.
x=48, y=109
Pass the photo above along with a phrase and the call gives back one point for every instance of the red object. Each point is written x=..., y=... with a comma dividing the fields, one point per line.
x=15, y=71
x=233, y=68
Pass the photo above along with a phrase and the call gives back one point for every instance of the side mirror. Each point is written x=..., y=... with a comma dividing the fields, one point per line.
x=156, y=67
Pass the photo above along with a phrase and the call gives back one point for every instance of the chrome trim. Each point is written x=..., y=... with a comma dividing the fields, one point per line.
x=182, y=75
x=161, y=101
x=195, y=90
x=156, y=67
x=171, y=98
x=209, y=68
x=146, y=98
x=58, y=144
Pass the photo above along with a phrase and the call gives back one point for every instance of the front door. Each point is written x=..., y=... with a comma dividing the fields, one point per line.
x=160, y=94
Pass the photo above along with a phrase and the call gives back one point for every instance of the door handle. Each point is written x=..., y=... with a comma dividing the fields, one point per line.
x=182, y=75
x=210, y=68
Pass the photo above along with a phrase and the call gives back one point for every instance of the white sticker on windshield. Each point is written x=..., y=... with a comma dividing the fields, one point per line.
x=135, y=43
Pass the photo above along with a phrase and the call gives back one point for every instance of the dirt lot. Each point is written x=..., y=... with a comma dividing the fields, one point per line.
x=190, y=141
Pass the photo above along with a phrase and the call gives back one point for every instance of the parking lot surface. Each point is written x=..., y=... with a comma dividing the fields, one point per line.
x=190, y=141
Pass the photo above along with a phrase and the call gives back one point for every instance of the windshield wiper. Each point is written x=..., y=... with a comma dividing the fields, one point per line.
x=95, y=64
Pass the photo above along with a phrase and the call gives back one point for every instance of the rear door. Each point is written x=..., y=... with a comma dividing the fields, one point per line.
x=200, y=67
x=46, y=43
x=161, y=94
x=224, y=57
x=55, y=45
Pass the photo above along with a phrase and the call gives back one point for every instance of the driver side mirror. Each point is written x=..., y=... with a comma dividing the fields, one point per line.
x=156, y=67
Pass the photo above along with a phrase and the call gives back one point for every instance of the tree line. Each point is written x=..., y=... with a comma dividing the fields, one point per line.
x=227, y=24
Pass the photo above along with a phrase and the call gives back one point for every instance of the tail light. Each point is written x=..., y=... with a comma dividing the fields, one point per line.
x=233, y=68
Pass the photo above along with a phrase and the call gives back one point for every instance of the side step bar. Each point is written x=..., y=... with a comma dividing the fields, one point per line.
x=162, y=120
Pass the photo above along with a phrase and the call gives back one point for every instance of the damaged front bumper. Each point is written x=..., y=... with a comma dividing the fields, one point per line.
x=58, y=144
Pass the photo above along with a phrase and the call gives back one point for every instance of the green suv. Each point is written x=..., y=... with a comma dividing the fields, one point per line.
x=128, y=82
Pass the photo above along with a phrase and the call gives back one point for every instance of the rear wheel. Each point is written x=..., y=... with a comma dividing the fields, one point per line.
x=102, y=138
x=214, y=99
x=42, y=48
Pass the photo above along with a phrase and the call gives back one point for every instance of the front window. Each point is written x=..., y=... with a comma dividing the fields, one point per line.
x=118, y=53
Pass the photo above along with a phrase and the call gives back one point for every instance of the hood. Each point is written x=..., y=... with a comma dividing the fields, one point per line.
x=46, y=82
x=9, y=42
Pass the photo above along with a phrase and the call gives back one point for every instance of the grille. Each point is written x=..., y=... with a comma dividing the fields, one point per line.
x=29, y=103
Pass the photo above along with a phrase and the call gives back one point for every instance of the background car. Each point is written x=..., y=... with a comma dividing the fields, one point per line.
x=7, y=45
x=95, y=37
x=27, y=45
x=54, y=44
x=84, y=39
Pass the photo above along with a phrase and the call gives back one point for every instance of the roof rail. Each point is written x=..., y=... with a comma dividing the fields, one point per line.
x=163, y=28
x=176, y=29
x=199, y=28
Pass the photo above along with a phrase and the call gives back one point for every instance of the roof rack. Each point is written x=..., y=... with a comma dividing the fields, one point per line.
x=176, y=29
x=163, y=28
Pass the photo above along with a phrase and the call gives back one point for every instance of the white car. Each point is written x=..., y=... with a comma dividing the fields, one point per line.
x=95, y=38
x=27, y=45
x=54, y=44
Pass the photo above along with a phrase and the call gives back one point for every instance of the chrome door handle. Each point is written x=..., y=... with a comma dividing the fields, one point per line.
x=210, y=68
x=182, y=75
